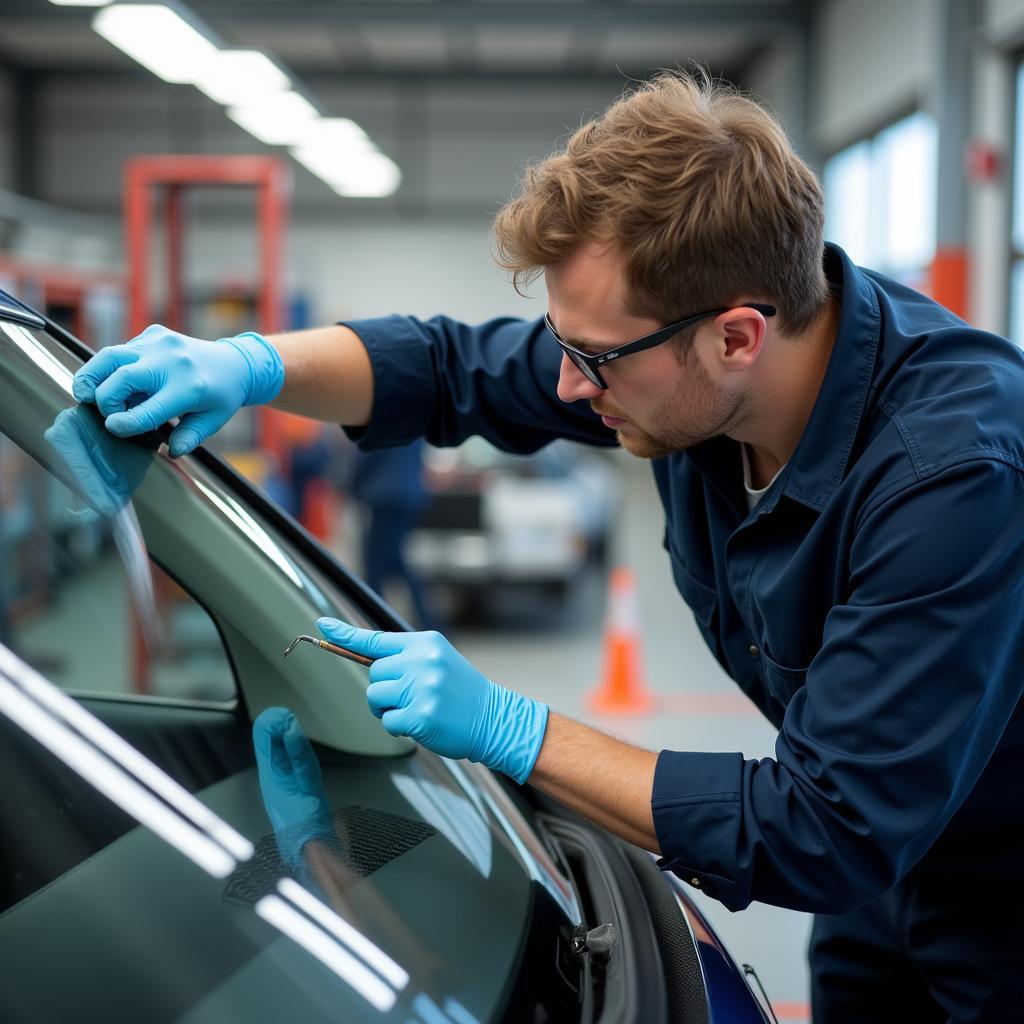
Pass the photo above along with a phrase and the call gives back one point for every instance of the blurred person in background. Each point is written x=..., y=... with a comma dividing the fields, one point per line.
x=389, y=486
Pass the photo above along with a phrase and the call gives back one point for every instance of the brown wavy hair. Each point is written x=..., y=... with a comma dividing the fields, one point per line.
x=700, y=189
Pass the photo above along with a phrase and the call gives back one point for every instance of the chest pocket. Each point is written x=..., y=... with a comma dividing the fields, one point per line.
x=780, y=681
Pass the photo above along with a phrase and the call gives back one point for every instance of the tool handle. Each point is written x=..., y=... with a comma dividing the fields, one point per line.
x=344, y=652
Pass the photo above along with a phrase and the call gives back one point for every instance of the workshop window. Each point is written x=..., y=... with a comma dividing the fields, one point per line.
x=880, y=199
x=1017, y=233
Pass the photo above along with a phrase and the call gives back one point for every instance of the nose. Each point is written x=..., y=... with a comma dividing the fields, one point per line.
x=573, y=384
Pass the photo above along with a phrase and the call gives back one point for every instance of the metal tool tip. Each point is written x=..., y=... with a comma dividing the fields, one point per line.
x=297, y=640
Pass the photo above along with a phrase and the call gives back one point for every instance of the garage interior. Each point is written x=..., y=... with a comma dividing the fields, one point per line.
x=911, y=112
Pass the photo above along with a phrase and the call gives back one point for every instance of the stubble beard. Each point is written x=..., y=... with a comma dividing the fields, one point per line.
x=697, y=412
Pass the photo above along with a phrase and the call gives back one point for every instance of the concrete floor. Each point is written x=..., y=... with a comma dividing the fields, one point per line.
x=553, y=654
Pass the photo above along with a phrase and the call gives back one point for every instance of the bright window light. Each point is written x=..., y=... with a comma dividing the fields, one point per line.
x=242, y=78
x=282, y=120
x=159, y=39
x=880, y=199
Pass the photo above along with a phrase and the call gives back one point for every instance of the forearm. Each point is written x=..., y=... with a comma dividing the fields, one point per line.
x=605, y=780
x=328, y=375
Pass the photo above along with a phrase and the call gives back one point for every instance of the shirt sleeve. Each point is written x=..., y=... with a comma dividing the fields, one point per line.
x=918, y=674
x=446, y=381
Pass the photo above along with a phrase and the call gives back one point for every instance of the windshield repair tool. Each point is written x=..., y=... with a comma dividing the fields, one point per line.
x=342, y=652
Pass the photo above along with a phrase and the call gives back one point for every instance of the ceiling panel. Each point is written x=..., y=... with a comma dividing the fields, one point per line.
x=418, y=46
x=523, y=47
x=39, y=41
x=295, y=46
x=649, y=48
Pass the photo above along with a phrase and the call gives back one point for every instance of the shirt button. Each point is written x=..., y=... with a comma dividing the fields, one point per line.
x=695, y=882
x=754, y=652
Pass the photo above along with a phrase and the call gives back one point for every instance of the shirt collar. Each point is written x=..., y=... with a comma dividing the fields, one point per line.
x=819, y=462
x=817, y=466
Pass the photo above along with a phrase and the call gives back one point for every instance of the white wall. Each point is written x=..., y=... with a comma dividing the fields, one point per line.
x=1003, y=21
x=775, y=82
x=366, y=269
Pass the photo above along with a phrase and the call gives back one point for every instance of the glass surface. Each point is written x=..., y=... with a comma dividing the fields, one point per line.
x=375, y=912
x=880, y=199
x=68, y=607
x=1017, y=240
x=152, y=926
x=907, y=153
x=847, y=180
x=79, y=598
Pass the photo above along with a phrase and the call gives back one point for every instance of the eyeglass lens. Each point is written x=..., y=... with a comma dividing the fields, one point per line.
x=582, y=366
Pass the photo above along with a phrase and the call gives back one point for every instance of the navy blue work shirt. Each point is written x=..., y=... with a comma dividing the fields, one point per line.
x=872, y=605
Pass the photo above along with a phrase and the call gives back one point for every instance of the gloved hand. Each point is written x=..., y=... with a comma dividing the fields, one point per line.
x=289, y=773
x=421, y=687
x=162, y=374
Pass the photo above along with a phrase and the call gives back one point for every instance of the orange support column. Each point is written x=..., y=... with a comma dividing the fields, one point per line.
x=948, y=279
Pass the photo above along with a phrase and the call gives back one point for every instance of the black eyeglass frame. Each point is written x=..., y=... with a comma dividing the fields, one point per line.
x=588, y=364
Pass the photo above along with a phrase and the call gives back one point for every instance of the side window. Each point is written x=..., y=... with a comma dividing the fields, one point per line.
x=76, y=605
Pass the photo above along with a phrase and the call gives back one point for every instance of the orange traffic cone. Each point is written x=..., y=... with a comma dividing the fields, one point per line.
x=623, y=691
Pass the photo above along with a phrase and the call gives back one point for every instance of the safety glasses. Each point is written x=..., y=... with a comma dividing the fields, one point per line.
x=588, y=364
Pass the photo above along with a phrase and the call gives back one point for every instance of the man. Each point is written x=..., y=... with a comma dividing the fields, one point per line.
x=841, y=463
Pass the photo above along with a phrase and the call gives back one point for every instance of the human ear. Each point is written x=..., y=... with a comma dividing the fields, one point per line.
x=742, y=333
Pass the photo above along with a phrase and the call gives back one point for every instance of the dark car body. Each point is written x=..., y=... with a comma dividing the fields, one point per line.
x=141, y=878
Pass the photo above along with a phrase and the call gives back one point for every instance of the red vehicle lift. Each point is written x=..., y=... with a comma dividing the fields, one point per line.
x=270, y=176
x=144, y=175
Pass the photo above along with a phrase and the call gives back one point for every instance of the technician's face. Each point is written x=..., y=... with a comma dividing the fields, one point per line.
x=656, y=403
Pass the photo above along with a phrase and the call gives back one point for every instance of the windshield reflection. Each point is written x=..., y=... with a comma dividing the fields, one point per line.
x=106, y=472
x=150, y=796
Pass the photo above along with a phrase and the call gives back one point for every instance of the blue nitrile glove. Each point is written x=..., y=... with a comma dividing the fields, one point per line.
x=162, y=374
x=421, y=687
x=290, y=779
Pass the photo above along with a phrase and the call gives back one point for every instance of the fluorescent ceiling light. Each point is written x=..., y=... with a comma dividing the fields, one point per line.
x=337, y=136
x=369, y=176
x=339, y=151
x=159, y=39
x=281, y=120
x=80, y=3
x=242, y=78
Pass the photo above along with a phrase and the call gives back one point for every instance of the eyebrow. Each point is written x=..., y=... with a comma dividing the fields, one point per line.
x=582, y=343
